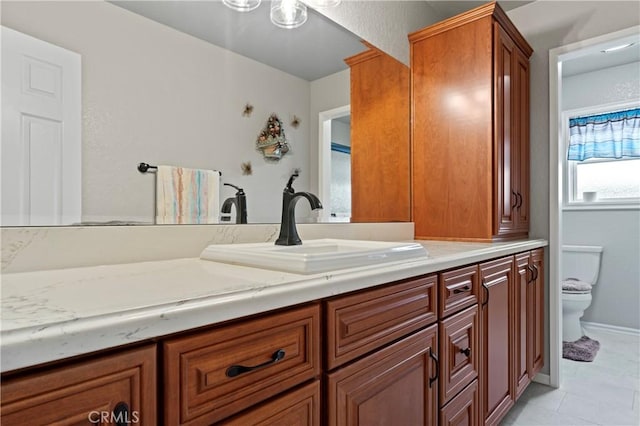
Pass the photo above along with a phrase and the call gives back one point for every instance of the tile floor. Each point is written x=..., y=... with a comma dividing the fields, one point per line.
x=603, y=392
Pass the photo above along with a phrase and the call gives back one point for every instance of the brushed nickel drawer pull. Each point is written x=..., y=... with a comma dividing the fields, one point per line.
x=236, y=370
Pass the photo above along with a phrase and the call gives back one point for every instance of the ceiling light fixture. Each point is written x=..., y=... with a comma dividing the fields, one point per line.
x=242, y=5
x=288, y=13
x=615, y=48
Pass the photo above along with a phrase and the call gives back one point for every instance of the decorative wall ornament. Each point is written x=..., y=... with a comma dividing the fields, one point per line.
x=295, y=122
x=271, y=140
x=246, y=168
x=248, y=109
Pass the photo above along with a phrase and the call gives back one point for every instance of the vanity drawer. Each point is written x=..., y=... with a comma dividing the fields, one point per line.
x=459, y=350
x=458, y=289
x=362, y=322
x=464, y=409
x=209, y=370
x=300, y=407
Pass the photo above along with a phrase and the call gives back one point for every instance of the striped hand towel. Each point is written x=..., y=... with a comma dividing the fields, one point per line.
x=187, y=195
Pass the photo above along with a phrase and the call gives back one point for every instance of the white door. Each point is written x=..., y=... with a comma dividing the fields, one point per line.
x=41, y=132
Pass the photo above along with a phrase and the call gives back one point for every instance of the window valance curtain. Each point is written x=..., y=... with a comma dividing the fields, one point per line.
x=611, y=135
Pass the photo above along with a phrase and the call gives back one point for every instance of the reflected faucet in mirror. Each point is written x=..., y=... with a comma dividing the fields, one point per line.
x=239, y=201
x=288, y=231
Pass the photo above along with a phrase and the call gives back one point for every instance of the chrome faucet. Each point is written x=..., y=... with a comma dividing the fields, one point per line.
x=240, y=201
x=288, y=232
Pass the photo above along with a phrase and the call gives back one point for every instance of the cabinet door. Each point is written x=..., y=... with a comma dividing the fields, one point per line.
x=536, y=313
x=522, y=297
x=496, y=330
x=393, y=386
x=300, y=407
x=504, y=143
x=113, y=389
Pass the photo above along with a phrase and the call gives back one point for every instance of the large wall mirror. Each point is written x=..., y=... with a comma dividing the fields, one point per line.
x=183, y=83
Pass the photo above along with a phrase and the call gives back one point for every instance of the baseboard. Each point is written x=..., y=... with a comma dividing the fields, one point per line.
x=543, y=379
x=611, y=328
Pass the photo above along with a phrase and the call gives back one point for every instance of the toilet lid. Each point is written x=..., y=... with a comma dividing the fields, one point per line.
x=575, y=286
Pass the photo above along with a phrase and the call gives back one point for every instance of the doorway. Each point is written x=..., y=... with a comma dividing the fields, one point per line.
x=557, y=57
x=329, y=185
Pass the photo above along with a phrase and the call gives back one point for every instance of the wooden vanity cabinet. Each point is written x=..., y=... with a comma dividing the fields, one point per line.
x=380, y=147
x=112, y=389
x=470, y=128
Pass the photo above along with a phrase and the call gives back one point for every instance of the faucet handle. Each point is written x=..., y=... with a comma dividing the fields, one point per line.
x=293, y=177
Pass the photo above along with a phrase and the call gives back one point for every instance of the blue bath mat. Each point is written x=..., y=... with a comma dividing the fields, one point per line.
x=584, y=349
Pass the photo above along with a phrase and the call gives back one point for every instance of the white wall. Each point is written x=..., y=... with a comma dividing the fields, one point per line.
x=326, y=93
x=616, y=297
x=153, y=94
x=546, y=25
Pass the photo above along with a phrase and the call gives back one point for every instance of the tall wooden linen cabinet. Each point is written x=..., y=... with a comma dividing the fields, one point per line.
x=380, y=165
x=470, y=128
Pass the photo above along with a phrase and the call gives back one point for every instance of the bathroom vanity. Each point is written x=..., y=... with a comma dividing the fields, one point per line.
x=454, y=337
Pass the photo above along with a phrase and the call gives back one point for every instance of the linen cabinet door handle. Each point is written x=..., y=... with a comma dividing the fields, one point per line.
x=519, y=196
x=486, y=291
x=535, y=276
x=435, y=360
x=532, y=276
x=515, y=203
x=236, y=370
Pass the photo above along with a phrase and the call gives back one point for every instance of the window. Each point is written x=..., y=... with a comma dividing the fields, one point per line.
x=602, y=164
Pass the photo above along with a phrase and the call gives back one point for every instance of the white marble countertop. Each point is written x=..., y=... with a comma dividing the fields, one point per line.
x=55, y=314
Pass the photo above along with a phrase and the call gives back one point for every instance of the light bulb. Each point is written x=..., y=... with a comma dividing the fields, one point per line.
x=242, y=5
x=288, y=13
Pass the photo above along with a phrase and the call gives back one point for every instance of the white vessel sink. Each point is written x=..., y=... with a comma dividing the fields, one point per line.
x=314, y=256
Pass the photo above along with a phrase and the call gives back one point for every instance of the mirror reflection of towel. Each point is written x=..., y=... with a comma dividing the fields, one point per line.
x=187, y=195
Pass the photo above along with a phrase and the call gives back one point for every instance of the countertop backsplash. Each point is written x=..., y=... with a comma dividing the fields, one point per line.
x=43, y=248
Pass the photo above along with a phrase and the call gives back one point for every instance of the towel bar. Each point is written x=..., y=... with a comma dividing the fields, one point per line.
x=144, y=167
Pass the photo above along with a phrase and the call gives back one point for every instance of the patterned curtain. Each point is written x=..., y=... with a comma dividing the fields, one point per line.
x=611, y=135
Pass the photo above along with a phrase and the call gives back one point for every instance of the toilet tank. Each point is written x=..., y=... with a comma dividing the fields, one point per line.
x=581, y=262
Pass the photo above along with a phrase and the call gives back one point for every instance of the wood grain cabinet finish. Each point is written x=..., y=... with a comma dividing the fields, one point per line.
x=463, y=409
x=396, y=385
x=212, y=375
x=380, y=144
x=470, y=128
x=459, y=352
x=522, y=320
x=535, y=319
x=458, y=290
x=497, y=340
x=104, y=390
x=300, y=407
x=365, y=321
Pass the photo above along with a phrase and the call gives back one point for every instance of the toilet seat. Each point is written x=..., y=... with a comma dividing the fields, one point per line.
x=575, y=286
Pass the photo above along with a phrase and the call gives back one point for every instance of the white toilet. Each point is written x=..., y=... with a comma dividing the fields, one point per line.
x=580, y=268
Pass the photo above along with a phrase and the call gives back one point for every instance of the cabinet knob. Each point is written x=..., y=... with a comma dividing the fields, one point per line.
x=121, y=414
x=466, y=352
